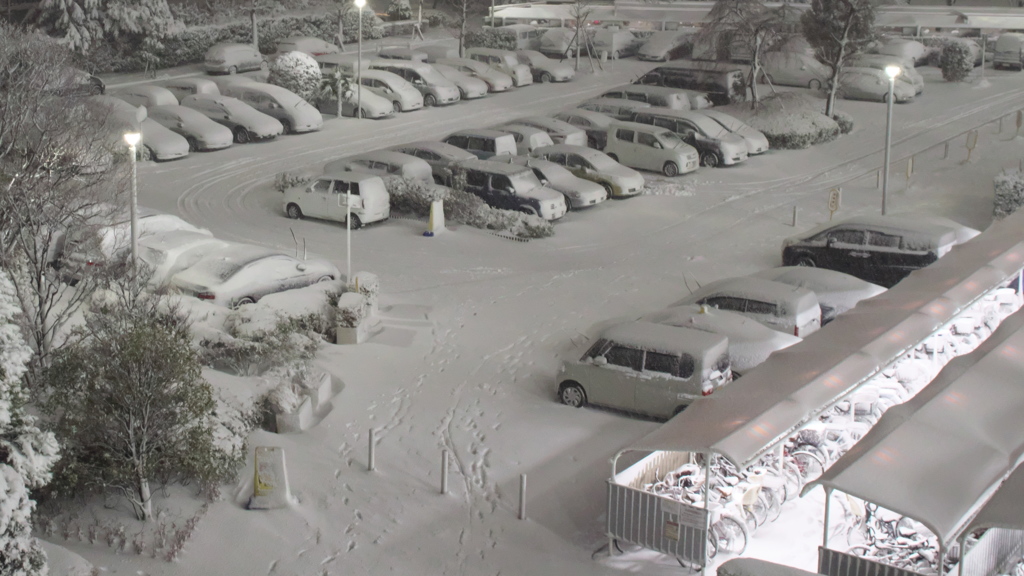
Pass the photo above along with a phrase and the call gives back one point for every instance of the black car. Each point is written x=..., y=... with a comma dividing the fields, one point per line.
x=879, y=249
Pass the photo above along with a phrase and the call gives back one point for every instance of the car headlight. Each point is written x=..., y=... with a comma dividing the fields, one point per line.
x=574, y=195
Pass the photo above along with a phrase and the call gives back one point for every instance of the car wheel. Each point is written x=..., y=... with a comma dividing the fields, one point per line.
x=242, y=135
x=294, y=212
x=193, y=144
x=397, y=107
x=356, y=222
x=806, y=261
x=264, y=65
x=429, y=100
x=670, y=169
x=287, y=126
x=324, y=279
x=233, y=70
x=814, y=84
x=765, y=78
x=146, y=153
x=615, y=55
x=710, y=159
x=572, y=394
x=568, y=203
x=679, y=409
x=545, y=78
x=462, y=94
x=362, y=113
x=245, y=300
x=885, y=97
x=608, y=188
x=528, y=210
x=614, y=157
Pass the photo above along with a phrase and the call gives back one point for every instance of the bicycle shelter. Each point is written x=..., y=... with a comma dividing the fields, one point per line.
x=760, y=411
x=945, y=454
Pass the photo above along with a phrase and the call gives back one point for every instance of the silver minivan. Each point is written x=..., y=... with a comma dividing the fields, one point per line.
x=436, y=89
x=335, y=195
x=484, y=144
x=295, y=114
x=651, y=148
x=662, y=96
x=527, y=138
x=716, y=145
x=646, y=368
x=790, y=309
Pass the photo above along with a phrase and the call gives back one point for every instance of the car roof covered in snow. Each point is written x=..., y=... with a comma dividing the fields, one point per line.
x=435, y=146
x=571, y=149
x=664, y=338
x=756, y=289
x=832, y=288
x=922, y=227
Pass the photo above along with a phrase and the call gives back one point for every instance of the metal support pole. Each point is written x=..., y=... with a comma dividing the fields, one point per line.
x=522, y=496
x=795, y=211
x=888, y=144
x=444, y=471
x=348, y=236
x=828, y=510
x=878, y=179
x=1000, y=125
x=945, y=150
x=707, y=501
x=134, y=208
x=359, y=64
x=910, y=167
x=371, y=456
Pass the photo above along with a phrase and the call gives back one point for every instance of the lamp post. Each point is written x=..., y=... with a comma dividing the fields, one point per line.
x=132, y=138
x=359, y=62
x=892, y=72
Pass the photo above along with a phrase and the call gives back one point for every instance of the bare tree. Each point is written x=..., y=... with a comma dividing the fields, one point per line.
x=838, y=29
x=465, y=11
x=57, y=171
x=580, y=11
x=749, y=27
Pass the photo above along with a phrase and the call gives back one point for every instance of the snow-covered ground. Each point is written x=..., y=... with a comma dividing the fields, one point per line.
x=473, y=327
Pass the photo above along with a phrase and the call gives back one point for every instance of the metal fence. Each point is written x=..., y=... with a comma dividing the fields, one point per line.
x=836, y=563
x=994, y=553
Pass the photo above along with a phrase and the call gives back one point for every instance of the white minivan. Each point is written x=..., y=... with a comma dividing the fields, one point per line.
x=651, y=148
x=329, y=197
x=646, y=368
x=1009, y=52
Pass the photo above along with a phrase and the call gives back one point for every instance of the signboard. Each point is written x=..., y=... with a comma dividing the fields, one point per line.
x=270, y=479
x=835, y=197
x=671, y=530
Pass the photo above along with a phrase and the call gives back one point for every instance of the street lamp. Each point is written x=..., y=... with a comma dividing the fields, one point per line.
x=892, y=72
x=132, y=138
x=359, y=61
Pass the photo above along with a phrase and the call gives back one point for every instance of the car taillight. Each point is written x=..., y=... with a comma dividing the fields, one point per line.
x=206, y=296
x=92, y=263
x=707, y=391
x=796, y=330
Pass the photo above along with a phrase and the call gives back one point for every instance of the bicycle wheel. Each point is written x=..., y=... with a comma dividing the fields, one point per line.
x=732, y=535
x=810, y=465
x=794, y=483
x=773, y=497
x=712, y=544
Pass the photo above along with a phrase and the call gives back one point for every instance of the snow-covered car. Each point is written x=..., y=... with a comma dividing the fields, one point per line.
x=404, y=97
x=496, y=81
x=793, y=69
x=438, y=155
x=469, y=87
x=649, y=147
x=558, y=42
x=512, y=187
x=750, y=342
x=596, y=166
x=336, y=195
x=579, y=193
x=788, y=309
x=384, y=163
x=880, y=61
x=201, y=133
x=595, y=124
x=561, y=132
x=369, y=103
x=660, y=96
x=231, y=58
x=716, y=145
x=295, y=114
x=619, y=109
x=157, y=143
x=483, y=143
x=837, y=292
x=167, y=253
x=98, y=243
x=146, y=95
x=757, y=142
x=666, y=45
x=912, y=50
x=346, y=63
x=436, y=89
x=545, y=69
x=182, y=87
x=309, y=44
x=399, y=53
x=878, y=249
x=646, y=368
x=435, y=52
x=504, y=61
x=871, y=84
x=242, y=274
x=527, y=138
x=245, y=122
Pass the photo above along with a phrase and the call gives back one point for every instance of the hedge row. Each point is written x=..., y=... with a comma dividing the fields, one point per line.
x=491, y=38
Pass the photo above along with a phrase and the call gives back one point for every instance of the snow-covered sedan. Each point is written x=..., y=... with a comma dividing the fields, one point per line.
x=545, y=69
x=158, y=143
x=199, y=131
x=871, y=84
x=579, y=193
x=438, y=155
x=469, y=87
x=593, y=123
x=307, y=44
x=666, y=45
x=561, y=132
x=496, y=81
x=779, y=306
x=167, y=253
x=756, y=141
x=245, y=122
x=242, y=274
x=836, y=292
x=587, y=163
x=750, y=343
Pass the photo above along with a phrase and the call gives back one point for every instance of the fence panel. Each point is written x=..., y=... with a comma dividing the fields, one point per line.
x=994, y=553
x=657, y=523
x=836, y=563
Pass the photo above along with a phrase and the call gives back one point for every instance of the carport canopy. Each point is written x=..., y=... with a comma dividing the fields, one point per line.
x=943, y=454
x=750, y=416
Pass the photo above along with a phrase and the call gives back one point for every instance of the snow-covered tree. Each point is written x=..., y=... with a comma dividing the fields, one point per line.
x=399, y=10
x=141, y=414
x=956, y=61
x=837, y=30
x=26, y=454
x=580, y=11
x=464, y=12
x=83, y=24
x=298, y=72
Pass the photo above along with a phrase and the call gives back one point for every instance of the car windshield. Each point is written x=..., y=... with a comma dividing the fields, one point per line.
x=431, y=76
x=524, y=181
x=727, y=121
x=669, y=140
x=603, y=162
x=709, y=127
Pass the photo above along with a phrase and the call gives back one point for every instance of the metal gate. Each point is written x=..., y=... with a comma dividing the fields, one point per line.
x=994, y=553
x=836, y=563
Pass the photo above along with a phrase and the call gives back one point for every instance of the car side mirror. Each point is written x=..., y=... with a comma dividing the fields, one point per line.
x=830, y=242
x=599, y=360
x=657, y=145
x=300, y=267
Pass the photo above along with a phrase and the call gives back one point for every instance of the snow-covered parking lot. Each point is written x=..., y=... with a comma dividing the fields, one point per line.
x=473, y=327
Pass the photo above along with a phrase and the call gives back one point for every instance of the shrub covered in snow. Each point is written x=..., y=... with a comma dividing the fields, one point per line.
x=288, y=178
x=844, y=120
x=256, y=342
x=1009, y=185
x=399, y=10
x=790, y=120
x=956, y=61
x=491, y=38
x=298, y=72
x=352, y=309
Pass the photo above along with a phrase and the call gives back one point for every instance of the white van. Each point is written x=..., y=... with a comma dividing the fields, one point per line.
x=327, y=197
x=527, y=37
x=294, y=113
x=503, y=61
x=793, y=69
x=647, y=368
x=651, y=148
x=616, y=43
x=1009, y=51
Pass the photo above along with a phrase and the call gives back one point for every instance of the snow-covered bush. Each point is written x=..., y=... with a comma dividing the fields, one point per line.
x=436, y=20
x=256, y=342
x=412, y=197
x=844, y=120
x=1009, y=185
x=26, y=453
x=790, y=120
x=399, y=10
x=956, y=61
x=298, y=72
x=352, y=309
x=283, y=399
x=491, y=38
x=288, y=178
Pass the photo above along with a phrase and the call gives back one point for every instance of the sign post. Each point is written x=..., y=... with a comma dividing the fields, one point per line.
x=835, y=198
x=972, y=142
